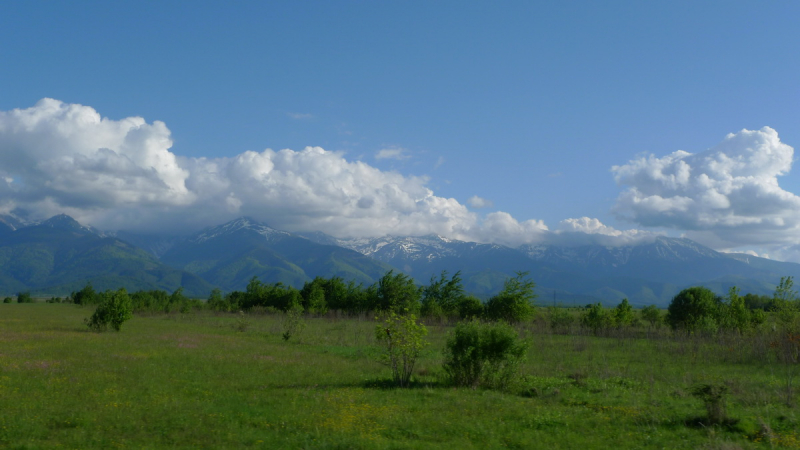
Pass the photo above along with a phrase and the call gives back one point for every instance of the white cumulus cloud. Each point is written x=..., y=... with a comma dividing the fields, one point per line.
x=726, y=196
x=591, y=231
x=121, y=175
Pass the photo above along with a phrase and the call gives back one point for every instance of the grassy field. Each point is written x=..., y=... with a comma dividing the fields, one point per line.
x=196, y=381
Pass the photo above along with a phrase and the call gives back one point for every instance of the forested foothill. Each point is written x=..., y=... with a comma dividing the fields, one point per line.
x=394, y=364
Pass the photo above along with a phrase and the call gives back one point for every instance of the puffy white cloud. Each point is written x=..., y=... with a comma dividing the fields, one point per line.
x=67, y=155
x=726, y=196
x=479, y=202
x=590, y=231
x=392, y=153
x=500, y=227
x=120, y=174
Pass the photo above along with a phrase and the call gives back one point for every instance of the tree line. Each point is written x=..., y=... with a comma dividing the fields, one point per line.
x=693, y=309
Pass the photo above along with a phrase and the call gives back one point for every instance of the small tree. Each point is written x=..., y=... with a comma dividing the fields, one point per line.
x=402, y=339
x=515, y=303
x=24, y=297
x=7, y=300
x=734, y=314
x=442, y=296
x=694, y=308
x=293, y=322
x=86, y=296
x=216, y=302
x=397, y=293
x=785, y=303
x=313, y=295
x=652, y=315
x=623, y=314
x=114, y=309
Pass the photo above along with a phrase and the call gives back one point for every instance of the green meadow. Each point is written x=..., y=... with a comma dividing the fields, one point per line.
x=223, y=380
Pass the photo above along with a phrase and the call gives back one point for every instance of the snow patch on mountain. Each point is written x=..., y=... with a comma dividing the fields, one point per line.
x=242, y=223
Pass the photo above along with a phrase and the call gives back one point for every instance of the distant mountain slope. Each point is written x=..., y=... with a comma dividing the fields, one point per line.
x=231, y=254
x=647, y=273
x=484, y=267
x=154, y=244
x=60, y=255
x=768, y=265
x=667, y=260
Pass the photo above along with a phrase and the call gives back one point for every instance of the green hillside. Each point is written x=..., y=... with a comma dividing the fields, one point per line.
x=60, y=256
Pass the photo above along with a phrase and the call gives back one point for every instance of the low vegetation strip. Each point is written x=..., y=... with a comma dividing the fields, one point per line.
x=198, y=380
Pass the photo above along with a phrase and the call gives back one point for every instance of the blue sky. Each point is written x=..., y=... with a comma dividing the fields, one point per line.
x=527, y=105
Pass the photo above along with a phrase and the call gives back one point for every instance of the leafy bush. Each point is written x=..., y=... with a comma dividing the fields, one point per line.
x=293, y=322
x=402, y=339
x=735, y=315
x=470, y=307
x=114, y=309
x=24, y=297
x=215, y=301
x=7, y=300
x=515, y=302
x=86, y=296
x=241, y=324
x=597, y=318
x=694, y=308
x=483, y=354
x=622, y=315
x=713, y=397
x=560, y=318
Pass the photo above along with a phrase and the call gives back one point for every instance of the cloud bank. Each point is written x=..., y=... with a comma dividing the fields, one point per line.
x=121, y=175
x=726, y=196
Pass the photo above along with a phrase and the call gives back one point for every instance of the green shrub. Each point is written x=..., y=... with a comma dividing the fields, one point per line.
x=114, y=309
x=713, y=397
x=24, y=297
x=293, y=322
x=7, y=300
x=241, y=324
x=216, y=302
x=597, y=318
x=86, y=296
x=483, y=355
x=470, y=307
x=559, y=318
x=622, y=315
x=313, y=296
x=402, y=339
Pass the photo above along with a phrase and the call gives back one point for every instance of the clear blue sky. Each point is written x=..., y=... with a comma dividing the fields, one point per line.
x=525, y=104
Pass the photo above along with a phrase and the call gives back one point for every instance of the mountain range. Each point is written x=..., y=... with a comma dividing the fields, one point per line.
x=60, y=255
